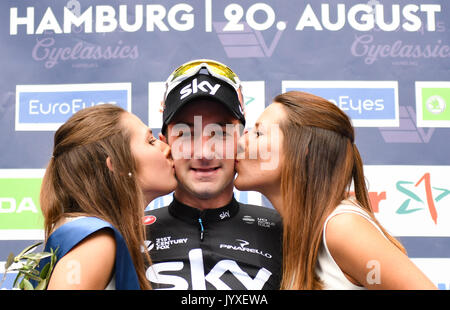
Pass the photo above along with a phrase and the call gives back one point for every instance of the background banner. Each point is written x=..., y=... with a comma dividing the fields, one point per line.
x=385, y=63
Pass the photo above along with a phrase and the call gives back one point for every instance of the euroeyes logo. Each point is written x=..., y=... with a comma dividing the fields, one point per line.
x=46, y=107
x=367, y=103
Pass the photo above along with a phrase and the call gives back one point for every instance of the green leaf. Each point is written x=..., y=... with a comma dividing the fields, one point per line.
x=19, y=275
x=42, y=285
x=29, y=274
x=37, y=256
x=27, y=249
x=27, y=268
x=9, y=261
x=26, y=285
x=44, y=271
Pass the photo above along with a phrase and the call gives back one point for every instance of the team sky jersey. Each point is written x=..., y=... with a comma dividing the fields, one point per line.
x=237, y=247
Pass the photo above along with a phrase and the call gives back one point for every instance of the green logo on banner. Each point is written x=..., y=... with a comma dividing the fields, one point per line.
x=436, y=104
x=19, y=203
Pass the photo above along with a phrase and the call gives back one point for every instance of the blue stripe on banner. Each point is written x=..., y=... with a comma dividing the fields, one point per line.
x=16, y=246
x=426, y=247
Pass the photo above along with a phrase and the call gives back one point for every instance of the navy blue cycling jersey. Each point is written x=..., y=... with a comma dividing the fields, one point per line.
x=238, y=246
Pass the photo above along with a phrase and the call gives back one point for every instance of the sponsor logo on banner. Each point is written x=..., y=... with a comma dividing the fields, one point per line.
x=367, y=103
x=254, y=100
x=21, y=216
x=248, y=42
x=46, y=107
x=413, y=200
x=407, y=132
x=433, y=104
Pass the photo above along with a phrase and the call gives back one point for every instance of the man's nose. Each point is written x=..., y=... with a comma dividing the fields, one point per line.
x=204, y=148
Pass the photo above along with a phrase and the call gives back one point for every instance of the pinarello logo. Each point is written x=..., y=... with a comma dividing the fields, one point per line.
x=149, y=219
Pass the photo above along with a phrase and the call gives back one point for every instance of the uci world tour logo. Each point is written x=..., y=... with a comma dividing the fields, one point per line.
x=433, y=195
x=248, y=42
x=408, y=131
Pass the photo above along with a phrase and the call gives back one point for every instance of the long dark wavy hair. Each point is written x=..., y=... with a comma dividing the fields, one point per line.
x=319, y=147
x=77, y=180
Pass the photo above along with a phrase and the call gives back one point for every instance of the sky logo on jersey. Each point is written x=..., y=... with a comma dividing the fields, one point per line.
x=46, y=107
x=367, y=103
x=254, y=100
x=19, y=200
x=433, y=104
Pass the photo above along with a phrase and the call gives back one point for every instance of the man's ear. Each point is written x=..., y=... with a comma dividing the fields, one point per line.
x=162, y=137
x=109, y=164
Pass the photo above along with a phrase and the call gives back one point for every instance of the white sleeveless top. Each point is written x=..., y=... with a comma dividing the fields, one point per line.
x=327, y=269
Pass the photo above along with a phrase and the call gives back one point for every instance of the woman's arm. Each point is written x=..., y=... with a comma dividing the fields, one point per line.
x=88, y=266
x=368, y=258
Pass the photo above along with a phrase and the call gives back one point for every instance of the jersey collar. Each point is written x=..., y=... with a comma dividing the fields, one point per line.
x=191, y=214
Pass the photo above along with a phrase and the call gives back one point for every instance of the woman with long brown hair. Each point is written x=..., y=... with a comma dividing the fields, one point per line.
x=301, y=155
x=106, y=167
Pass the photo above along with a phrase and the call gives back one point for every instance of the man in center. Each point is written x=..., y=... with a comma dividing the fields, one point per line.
x=206, y=239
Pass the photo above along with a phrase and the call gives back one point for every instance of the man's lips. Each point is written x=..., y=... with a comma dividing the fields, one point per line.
x=205, y=172
x=205, y=169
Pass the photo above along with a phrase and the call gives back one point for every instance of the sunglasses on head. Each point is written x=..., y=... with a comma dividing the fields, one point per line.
x=215, y=68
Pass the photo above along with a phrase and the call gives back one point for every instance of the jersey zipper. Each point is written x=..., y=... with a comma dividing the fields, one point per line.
x=201, y=228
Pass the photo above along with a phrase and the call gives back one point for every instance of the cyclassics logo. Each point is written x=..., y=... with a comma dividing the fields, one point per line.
x=46, y=107
x=367, y=103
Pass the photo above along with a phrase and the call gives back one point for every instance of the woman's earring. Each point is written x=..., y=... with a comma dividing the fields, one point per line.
x=130, y=174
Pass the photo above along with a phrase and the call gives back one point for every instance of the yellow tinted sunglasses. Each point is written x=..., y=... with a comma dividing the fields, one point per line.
x=192, y=67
